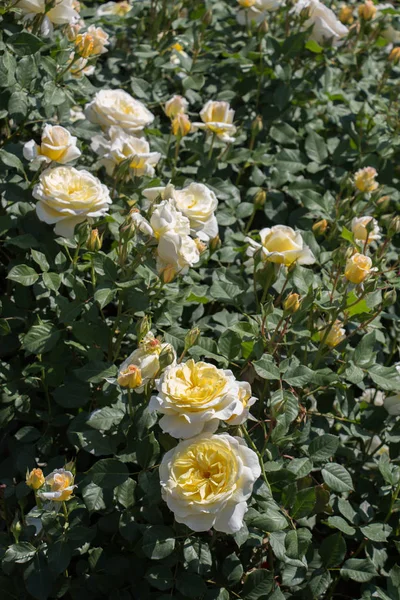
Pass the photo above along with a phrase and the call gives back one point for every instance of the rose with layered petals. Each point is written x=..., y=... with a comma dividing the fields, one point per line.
x=325, y=25
x=283, y=245
x=120, y=146
x=175, y=105
x=335, y=335
x=165, y=218
x=364, y=180
x=146, y=360
x=92, y=42
x=358, y=267
x=117, y=108
x=68, y=197
x=59, y=486
x=217, y=117
x=365, y=229
x=207, y=480
x=195, y=396
x=35, y=479
x=57, y=145
x=176, y=252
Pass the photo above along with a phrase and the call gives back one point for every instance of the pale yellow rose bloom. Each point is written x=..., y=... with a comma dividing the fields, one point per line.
x=57, y=145
x=364, y=180
x=207, y=480
x=59, y=486
x=359, y=229
x=281, y=244
x=114, y=8
x=217, y=117
x=358, y=267
x=35, y=479
x=92, y=42
x=118, y=108
x=336, y=334
x=181, y=125
x=175, y=106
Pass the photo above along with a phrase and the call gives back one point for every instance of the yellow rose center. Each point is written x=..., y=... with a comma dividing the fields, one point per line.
x=194, y=384
x=205, y=470
x=279, y=242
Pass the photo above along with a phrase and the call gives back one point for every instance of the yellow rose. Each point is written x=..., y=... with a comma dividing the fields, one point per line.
x=336, y=334
x=195, y=396
x=358, y=268
x=35, y=479
x=359, y=228
x=346, y=14
x=207, y=480
x=181, y=125
x=394, y=55
x=367, y=11
x=283, y=245
x=292, y=303
x=59, y=486
x=92, y=42
x=175, y=106
x=68, y=197
x=114, y=8
x=364, y=180
x=217, y=117
x=57, y=145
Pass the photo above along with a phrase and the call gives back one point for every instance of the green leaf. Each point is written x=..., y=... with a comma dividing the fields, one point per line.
x=333, y=550
x=190, y=585
x=93, y=498
x=52, y=281
x=377, y=532
x=147, y=451
x=337, y=478
x=41, y=338
x=38, y=578
x=158, y=542
x=104, y=296
x=10, y=160
x=232, y=569
x=125, y=493
x=268, y=521
x=59, y=555
x=316, y=148
x=108, y=473
x=304, y=503
x=160, y=577
x=314, y=47
x=40, y=259
x=341, y=524
x=266, y=368
x=319, y=583
x=96, y=372
x=323, y=447
x=23, y=274
x=358, y=569
x=258, y=584
x=19, y=553
x=387, y=378
x=105, y=418
x=393, y=583
x=297, y=542
x=24, y=43
x=197, y=555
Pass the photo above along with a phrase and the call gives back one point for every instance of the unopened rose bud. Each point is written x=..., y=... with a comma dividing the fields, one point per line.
x=292, y=303
x=358, y=267
x=143, y=327
x=168, y=274
x=130, y=377
x=191, y=337
x=394, y=226
x=71, y=466
x=260, y=198
x=367, y=11
x=16, y=529
x=94, y=241
x=346, y=14
x=207, y=18
x=394, y=55
x=35, y=479
x=257, y=125
x=84, y=45
x=389, y=297
x=167, y=357
x=181, y=125
x=305, y=13
x=383, y=201
x=215, y=243
x=320, y=227
x=175, y=106
x=263, y=28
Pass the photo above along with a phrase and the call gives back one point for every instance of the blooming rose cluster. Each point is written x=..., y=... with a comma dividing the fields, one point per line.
x=58, y=486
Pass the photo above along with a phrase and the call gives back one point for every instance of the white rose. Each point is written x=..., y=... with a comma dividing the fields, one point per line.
x=326, y=26
x=165, y=218
x=247, y=401
x=217, y=117
x=195, y=396
x=256, y=11
x=114, y=8
x=207, y=480
x=120, y=146
x=116, y=107
x=59, y=486
x=146, y=359
x=62, y=13
x=177, y=251
x=68, y=197
x=57, y=145
x=281, y=244
x=76, y=114
x=359, y=229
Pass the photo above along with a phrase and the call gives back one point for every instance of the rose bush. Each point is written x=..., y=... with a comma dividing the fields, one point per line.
x=199, y=349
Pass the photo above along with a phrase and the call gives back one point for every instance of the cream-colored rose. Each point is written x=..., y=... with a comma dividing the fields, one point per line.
x=195, y=396
x=118, y=108
x=283, y=245
x=92, y=42
x=140, y=223
x=177, y=253
x=358, y=267
x=62, y=13
x=364, y=180
x=146, y=360
x=59, y=486
x=359, y=228
x=165, y=219
x=207, y=480
x=119, y=147
x=255, y=11
x=35, y=479
x=325, y=25
x=196, y=202
x=336, y=334
x=247, y=401
x=114, y=8
x=217, y=117
x=175, y=106
x=68, y=197
x=57, y=145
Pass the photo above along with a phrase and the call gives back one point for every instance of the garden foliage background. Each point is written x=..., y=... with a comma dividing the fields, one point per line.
x=323, y=518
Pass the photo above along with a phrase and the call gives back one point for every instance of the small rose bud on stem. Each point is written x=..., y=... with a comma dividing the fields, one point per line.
x=143, y=327
x=94, y=241
x=292, y=303
x=320, y=227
